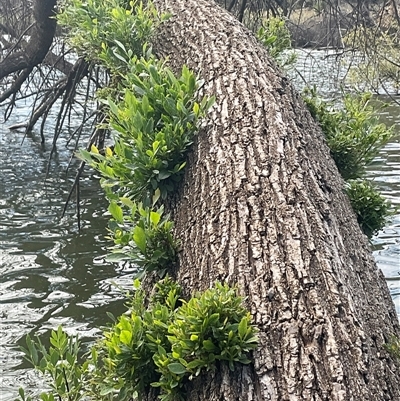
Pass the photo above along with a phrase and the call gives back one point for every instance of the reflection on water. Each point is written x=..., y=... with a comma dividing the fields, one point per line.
x=51, y=274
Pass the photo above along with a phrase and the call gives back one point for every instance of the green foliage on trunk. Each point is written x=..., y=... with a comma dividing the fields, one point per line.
x=153, y=115
x=353, y=132
x=371, y=208
x=393, y=347
x=163, y=342
x=355, y=135
x=172, y=341
x=98, y=29
x=143, y=235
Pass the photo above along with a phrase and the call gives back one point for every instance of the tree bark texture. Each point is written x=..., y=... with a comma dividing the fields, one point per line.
x=262, y=206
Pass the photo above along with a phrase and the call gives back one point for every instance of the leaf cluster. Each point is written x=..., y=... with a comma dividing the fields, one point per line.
x=161, y=342
x=97, y=29
x=353, y=132
x=143, y=235
x=155, y=118
x=393, y=347
x=372, y=209
x=165, y=344
x=355, y=136
x=275, y=36
x=60, y=363
x=153, y=114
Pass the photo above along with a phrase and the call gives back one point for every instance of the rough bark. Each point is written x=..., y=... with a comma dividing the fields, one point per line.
x=262, y=206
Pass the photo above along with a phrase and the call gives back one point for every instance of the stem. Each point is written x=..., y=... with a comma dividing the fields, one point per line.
x=66, y=384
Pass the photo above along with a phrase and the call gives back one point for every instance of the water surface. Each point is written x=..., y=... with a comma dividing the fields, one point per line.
x=50, y=272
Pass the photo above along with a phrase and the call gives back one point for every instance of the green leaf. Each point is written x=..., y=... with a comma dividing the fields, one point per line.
x=112, y=318
x=84, y=155
x=106, y=390
x=242, y=329
x=21, y=393
x=54, y=357
x=154, y=73
x=116, y=212
x=139, y=236
x=162, y=175
x=145, y=105
x=155, y=217
x=117, y=257
x=120, y=45
x=127, y=202
x=177, y=368
x=161, y=351
x=192, y=83
x=156, y=196
x=126, y=337
x=209, y=346
x=155, y=146
x=32, y=350
x=113, y=106
x=196, y=109
x=252, y=340
x=118, y=56
x=194, y=364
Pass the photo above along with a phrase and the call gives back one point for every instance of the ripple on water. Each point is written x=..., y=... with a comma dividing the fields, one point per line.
x=47, y=271
x=386, y=175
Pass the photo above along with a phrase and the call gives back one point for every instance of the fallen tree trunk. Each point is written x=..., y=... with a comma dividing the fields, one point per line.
x=262, y=206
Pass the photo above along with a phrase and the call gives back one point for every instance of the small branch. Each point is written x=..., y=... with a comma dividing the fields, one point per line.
x=20, y=39
x=16, y=85
x=66, y=384
x=242, y=10
x=231, y=5
x=75, y=185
